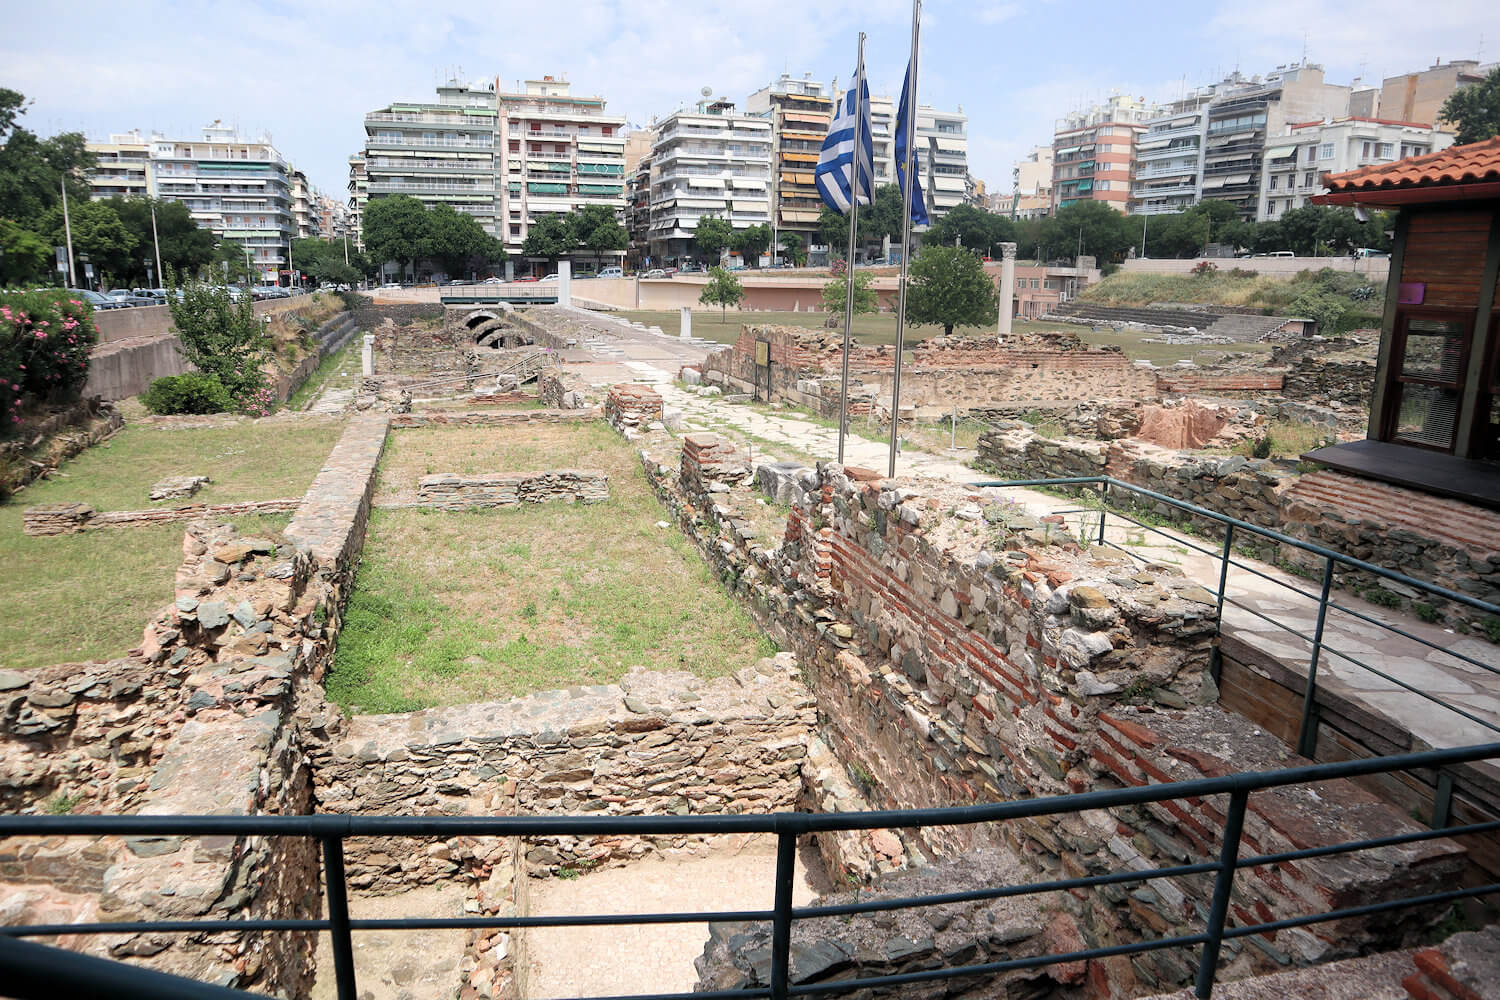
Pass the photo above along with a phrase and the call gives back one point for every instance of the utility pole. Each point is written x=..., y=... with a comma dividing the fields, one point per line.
x=68, y=231
x=1143, y=236
x=160, y=274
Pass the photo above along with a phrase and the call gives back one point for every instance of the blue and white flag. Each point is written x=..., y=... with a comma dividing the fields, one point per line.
x=906, y=116
x=837, y=156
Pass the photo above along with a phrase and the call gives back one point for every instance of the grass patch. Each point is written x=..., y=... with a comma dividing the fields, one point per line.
x=339, y=370
x=869, y=328
x=88, y=596
x=1287, y=439
x=450, y=608
x=247, y=461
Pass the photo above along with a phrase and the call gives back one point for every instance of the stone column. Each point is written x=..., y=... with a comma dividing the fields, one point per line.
x=1007, y=288
x=564, y=282
x=510, y=270
x=685, y=330
x=367, y=356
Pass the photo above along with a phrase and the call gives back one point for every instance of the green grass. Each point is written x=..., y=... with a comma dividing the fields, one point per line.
x=876, y=328
x=88, y=596
x=345, y=360
x=450, y=608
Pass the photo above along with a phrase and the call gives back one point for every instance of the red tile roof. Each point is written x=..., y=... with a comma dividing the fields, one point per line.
x=1476, y=163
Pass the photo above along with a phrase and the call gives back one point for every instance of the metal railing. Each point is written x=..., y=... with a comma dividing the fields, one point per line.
x=1235, y=527
x=30, y=970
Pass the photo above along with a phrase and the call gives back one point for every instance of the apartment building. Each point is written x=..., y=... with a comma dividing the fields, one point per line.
x=941, y=152
x=800, y=111
x=1093, y=152
x=304, y=218
x=1030, y=196
x=359, y=196
x=707, y=162
x=122, y=167
x=1244, y=112
x=439, y=152
x=237, y=187
x=1169, y=157
x=638, y=212
x=1419, y=96
x=1296, y=160
x=561, y=152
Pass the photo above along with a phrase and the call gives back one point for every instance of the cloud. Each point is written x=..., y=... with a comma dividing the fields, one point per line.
x=998, y=13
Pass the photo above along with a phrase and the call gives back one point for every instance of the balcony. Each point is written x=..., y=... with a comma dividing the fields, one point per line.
x=1168, y=134
x=473, y=123
x=1172, y=191
x=1166, y=153
x=428, y=187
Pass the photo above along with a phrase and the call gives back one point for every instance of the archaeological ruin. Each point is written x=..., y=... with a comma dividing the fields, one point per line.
x=527, y=621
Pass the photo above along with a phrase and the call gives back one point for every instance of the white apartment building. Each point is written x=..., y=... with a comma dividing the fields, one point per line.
x=439, y=152
x=239, y=188
x=1169, y=158
x=359, y=196
x=707, y=162
x=942, y=149
x=1297, y=159
x=304, y=214
x=560, y=153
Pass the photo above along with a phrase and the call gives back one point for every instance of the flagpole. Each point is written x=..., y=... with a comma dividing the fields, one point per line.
x=906, y=196
x=859, y=94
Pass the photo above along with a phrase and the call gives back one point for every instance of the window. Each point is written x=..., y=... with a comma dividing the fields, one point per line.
x=1325, y=151
x=515, y=229
x=1312, y=153
x=1307, y=179
x=1036, y=283
x=1274, y=181
x=1430, y=352
x=1383, y=150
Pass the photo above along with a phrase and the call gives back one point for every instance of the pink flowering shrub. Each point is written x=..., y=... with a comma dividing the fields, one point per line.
x=45, y=338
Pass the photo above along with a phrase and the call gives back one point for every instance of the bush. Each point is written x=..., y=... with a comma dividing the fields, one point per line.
x=45, y=338
x=1204, y=268
x=1324, y=307
x=190, y=393
x=218, y=336
x=1262, y=447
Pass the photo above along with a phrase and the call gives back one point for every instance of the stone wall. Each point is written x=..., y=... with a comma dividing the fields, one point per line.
x=963, y=652
x=447, y=491
x=631, y=409
x=561, y=390
x=436, y=418
x=657, y=743
x=72, y=518
x=123, y=368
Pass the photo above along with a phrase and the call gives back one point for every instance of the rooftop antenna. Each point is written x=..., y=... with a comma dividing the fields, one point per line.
x=1304, y=48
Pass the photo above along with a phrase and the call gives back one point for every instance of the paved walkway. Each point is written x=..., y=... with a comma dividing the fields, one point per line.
x=1432, y=671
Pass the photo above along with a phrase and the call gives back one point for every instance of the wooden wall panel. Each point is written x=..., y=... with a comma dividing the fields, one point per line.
x=1446, y=251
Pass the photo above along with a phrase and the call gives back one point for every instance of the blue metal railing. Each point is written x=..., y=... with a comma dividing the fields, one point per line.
x=29, y=970
x=1233, y=527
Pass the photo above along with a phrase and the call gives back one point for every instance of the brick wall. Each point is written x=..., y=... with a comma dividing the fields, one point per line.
x=631, y=408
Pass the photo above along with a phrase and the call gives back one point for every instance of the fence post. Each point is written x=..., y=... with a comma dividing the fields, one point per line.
x=1216, y=657
x=781, y=927
x=1229, y=854
x=1103, y=507
x=1307, y=737
x=337, y=894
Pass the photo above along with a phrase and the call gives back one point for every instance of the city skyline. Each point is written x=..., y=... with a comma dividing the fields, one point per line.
x=271, y=67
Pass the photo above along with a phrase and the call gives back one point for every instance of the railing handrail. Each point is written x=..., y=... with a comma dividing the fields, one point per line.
x=36, y=971
x=1242, y=525
x=345, y=825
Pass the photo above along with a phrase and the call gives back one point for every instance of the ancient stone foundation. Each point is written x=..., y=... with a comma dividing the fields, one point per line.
x=451, y=492
x=631, y=409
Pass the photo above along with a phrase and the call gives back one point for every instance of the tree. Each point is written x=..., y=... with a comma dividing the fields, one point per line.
x=971, y=227
x=751, y=242
x=219, y=337
x=878, y=220
x=98, y=234
x=792, y=244
x=185, y=245
x=31, y=168
x=723, y=290
x=1475, y=110
x=836, y=294
x=456, y=238
x=712, y=238
x=948, y=288
x=550, y=237
x=1103, y=233
x=397, y=228
x=26, y=255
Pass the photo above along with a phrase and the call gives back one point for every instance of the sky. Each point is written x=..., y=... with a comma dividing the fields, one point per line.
x=306, y=72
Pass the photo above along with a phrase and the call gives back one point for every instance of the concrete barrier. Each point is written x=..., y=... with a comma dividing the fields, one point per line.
x=1374, y=268
x=153, y=321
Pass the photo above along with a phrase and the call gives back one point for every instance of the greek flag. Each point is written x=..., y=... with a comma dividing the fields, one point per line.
x=832, y=176
x=905, y=131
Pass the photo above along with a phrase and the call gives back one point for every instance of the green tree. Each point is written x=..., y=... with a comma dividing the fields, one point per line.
x=27, y=257
x=878, y=220
x=98, y=234
x=185, y=245
x=795, y=250
x=551, y=237
x=723, y=290
x=219, y=337
x=229, y=265
x=397, y=228
x=31, y=168
x=1102, y=232
x=1475, y=110
x=712, y=238
x=457, y=238
x=751, y=242
x=948, y=288
x=836, y=294
x=972, y=227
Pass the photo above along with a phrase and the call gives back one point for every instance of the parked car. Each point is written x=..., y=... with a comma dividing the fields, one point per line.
x=655, y=272
x=550, y=277
x=125, y=298
x=95, y=299
x=529, y=277
x=612, y=272
x=391, y=284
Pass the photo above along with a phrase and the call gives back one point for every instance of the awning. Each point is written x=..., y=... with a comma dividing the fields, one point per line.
x=798, y=178
x=952, y=145
x=812, y=136
x=741, y=205
x=598, y=189
x=705, y=182
x=800, y=157
x=1280, y=151
x=1065, y=152
x=747, y=182
x=946, y=183
x=547, y=188
x=1214, y=182
x=795, y=216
